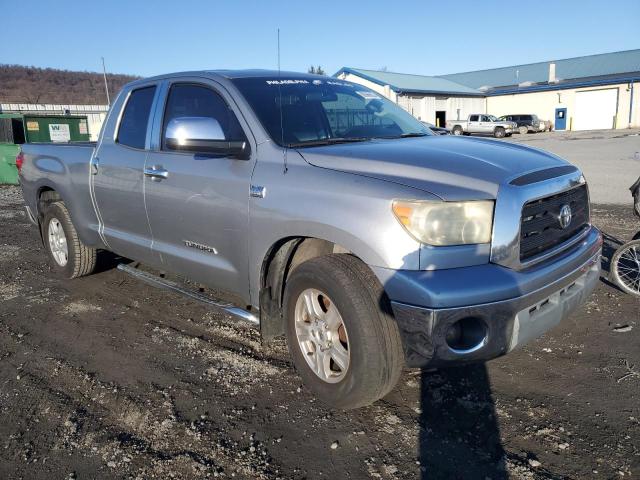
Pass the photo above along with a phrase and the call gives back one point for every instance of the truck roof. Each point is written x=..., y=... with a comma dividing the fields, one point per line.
x=231, y=74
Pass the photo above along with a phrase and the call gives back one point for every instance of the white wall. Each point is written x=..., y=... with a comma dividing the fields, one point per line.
x=95, y=113
x=545, y=103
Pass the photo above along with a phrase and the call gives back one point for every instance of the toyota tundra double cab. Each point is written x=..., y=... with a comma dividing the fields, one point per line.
x=331, y=214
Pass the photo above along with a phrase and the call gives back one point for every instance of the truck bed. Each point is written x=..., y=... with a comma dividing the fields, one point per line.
x=63, y=167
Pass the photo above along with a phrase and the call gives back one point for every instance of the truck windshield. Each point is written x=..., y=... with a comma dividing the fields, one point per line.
x=493, y=119
x=307, y=111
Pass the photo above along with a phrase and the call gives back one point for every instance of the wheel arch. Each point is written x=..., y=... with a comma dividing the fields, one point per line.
x=278, y=263
x=45, y=195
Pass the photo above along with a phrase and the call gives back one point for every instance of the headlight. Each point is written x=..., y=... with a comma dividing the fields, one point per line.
x=446, y=223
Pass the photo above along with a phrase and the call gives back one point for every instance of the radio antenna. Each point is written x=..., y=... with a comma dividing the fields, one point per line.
x=284, y=148
x=106, y=85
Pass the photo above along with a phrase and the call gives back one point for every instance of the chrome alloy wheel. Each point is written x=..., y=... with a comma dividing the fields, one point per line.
x=627, y=268
x=322, y=335
x=58, y=242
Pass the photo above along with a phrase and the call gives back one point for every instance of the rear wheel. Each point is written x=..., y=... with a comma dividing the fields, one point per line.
x=457, y=130
x=342, y=338
x=625, y=267
x=68, y=256
x=499, y=132
x=523, y=130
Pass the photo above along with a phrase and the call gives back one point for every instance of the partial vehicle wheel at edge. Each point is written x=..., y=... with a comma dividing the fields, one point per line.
x=342, y=337
x=625, y=267
x=68, y=256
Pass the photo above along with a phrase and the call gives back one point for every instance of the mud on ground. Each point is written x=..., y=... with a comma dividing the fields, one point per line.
x=105, y=377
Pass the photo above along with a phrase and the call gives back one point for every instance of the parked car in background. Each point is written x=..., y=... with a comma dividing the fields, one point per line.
x=545, y=125
x=330, y=214
x=481, y=123
x=436, y=130
x=525, y=123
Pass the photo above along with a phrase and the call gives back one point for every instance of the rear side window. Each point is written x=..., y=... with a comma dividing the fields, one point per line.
x=473, y=118
x=133, y=126
x=189, y=100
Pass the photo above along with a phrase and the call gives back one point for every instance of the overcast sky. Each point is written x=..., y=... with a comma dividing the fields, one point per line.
x=424, y=37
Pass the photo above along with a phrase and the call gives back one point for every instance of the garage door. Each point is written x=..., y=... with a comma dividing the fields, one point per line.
x=595, y=109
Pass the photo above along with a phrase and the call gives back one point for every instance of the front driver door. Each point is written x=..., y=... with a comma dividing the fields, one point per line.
x=199, y=210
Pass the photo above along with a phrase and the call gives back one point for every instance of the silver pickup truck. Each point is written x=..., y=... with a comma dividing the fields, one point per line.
x=482, y=124
x=332, y=215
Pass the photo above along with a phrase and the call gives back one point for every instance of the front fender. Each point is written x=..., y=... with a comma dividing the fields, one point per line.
x=350, y=210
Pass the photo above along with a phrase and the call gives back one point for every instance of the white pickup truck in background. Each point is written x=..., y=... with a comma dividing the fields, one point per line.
x=481, y=124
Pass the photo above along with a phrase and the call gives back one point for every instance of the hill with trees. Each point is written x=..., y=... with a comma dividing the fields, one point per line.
x=20, y=84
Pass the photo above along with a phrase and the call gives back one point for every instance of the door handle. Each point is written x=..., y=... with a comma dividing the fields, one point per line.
x=156, y=173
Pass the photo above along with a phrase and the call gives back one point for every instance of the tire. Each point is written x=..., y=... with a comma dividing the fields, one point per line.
x=523, y=130
x=457, y=130
x=499, y=132
x=58, y=232
x=368, y=333
x=625, y=267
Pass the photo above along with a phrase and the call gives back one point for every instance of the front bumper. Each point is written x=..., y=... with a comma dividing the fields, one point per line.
x=508, y=323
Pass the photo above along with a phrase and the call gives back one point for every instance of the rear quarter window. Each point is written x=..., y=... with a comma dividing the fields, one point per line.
x=132, y=131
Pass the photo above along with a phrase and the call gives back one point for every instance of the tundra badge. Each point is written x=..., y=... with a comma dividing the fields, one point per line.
x=200, y=246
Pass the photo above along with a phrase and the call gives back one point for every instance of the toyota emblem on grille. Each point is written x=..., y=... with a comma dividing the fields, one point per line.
x=565, y=216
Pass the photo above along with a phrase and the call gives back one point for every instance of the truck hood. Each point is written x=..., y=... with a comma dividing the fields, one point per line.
x=452, y=168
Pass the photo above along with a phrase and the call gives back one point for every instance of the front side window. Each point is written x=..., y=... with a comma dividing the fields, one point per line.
x=190, y=100
x=135, y=118
x=302, y=111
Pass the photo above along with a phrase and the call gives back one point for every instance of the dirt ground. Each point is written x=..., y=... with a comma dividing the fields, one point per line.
x=105, y=377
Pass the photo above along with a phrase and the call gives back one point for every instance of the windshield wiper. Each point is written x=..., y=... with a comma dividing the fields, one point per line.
x=327, y=141
x=406, y=135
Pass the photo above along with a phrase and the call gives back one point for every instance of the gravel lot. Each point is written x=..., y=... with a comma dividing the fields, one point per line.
x=610, y=159
x=104, y=377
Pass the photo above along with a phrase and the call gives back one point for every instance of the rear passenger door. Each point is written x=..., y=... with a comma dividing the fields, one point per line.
x=117, y=176
x=199, y=211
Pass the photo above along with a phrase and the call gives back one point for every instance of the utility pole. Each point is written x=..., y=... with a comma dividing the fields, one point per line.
x=106, y=86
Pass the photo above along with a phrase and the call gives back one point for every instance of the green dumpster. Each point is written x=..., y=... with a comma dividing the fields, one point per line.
x=16, y=129
x=11, y=135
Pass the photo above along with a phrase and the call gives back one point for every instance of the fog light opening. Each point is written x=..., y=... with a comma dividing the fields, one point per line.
x=466, y=335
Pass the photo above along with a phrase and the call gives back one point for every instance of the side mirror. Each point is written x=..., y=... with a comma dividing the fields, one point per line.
x=203, y=135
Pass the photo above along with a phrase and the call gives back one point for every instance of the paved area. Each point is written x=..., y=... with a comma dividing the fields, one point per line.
x=610, y=159
x=104, y=377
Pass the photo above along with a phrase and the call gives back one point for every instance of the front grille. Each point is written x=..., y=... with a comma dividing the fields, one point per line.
x=540, y=227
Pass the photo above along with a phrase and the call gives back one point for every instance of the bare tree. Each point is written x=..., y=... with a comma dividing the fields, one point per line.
x=19, y=84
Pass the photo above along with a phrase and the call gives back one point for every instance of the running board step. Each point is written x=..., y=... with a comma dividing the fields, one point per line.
x=156, y=281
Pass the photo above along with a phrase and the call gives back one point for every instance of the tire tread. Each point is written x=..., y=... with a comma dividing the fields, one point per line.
x=84, y=258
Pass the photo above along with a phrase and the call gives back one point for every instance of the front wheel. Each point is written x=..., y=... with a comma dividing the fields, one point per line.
x=625, y=267
x=342, y=338
x=499, y=132
x=523, y=130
